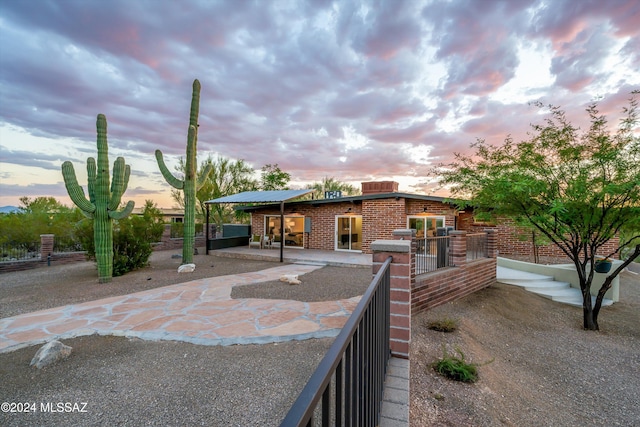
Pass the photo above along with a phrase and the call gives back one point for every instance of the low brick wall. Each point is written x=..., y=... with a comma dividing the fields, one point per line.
x=56, y=259
x=441, y=286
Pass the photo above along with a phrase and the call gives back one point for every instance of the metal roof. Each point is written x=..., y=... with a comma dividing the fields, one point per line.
x=261, y=196
x=360, y=198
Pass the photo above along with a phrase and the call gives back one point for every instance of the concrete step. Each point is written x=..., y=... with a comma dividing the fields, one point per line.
x=508, y=274
x=576, y=301
x=544, y=286
x=548, y=285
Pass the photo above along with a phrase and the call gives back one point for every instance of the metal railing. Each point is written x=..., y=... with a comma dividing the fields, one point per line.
x=432, y=253
x=66, y=245
x=12, y=251
x=476, y=246
x=346, y=389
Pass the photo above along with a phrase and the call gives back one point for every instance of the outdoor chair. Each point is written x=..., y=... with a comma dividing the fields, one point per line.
x=255, y=242
x=276, y=242
x=266, y=242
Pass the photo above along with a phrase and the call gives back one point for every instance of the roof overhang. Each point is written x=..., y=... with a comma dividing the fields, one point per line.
x=275, y=196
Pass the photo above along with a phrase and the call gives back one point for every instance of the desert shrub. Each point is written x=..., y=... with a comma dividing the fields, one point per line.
x=456, y=368
x=132, y=239
x=443, y=325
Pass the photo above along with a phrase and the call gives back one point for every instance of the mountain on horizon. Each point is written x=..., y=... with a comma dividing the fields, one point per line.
x=8, y=209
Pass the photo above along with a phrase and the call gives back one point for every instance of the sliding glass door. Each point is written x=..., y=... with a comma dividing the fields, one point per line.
x=348, y=233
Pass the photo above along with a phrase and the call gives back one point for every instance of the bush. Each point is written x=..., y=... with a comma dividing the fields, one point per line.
x=456, y=368
x=443, y=325
x=132, y=238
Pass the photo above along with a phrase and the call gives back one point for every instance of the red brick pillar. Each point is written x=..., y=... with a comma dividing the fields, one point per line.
x=402, y=272
x=46, y=245
x=458, y=248
x=492, y=242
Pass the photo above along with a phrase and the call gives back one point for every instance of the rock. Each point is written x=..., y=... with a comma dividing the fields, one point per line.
x=292, y=279
x=176, y=256
x=49, y=353
x=186, y=268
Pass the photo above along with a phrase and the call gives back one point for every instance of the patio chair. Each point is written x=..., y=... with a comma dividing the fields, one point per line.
x=255, y=241
x=266, y=242
x=276, y=242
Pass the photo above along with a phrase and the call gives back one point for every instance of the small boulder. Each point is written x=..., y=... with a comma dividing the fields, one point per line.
x=291, y=279
x=49, y=353
x=186, y=268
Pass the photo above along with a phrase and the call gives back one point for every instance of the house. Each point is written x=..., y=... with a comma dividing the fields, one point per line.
x=352, y=223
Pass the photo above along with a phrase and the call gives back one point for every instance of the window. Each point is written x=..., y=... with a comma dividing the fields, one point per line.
x=293, y=229
x=425, y=225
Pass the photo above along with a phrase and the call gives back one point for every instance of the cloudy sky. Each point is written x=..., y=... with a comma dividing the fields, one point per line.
x=355, y=90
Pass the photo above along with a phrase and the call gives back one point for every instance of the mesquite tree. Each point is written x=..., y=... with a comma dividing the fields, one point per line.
x=191, y=182
x=104, y=198
x=578, y=189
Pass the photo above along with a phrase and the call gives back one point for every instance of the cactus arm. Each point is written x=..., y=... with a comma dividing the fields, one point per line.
x=124, y=212
x=91, y=179
x=119, y=183
x=168, y=176
x=76, y=193
x=203, y=178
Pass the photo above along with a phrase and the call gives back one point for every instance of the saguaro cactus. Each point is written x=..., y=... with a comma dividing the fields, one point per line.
x=104, y=199
x=190, y=184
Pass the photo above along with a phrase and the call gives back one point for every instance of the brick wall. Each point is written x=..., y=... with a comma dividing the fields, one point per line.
x=380, y=217
x=517, y=242
x=448, y=284
x=411, y=294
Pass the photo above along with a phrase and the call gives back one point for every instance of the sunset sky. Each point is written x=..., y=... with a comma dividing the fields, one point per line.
x=355, y=90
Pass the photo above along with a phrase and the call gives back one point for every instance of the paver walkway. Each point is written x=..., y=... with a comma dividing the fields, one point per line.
x=200, y=311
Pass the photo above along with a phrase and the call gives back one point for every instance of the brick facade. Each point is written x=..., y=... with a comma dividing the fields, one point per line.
x=515, y=241
x=380, y=217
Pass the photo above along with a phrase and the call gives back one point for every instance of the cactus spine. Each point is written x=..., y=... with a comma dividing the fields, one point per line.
x=104, y=199
x=190, y=184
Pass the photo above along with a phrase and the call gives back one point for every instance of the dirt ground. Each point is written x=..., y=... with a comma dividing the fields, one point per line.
x=544, y=370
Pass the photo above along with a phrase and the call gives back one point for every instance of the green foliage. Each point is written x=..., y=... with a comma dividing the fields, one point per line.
x=132, y=238
x=443, y=325
x=104, y=197
x=456, y=368
x=42, y=215
x=576, y=189
x=227, y=177
x=192, y=181
x=272, y=178
x=332, y=184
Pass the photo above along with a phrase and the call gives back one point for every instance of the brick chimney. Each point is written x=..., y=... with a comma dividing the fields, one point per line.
x=374, y=187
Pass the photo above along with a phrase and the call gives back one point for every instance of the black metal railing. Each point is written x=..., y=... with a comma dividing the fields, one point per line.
x=12, y=251
x=346, y=388
x=432, y=253
x=476, y=246
x=66, y=245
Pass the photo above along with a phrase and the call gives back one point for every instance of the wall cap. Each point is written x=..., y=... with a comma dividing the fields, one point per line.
x=402, y=246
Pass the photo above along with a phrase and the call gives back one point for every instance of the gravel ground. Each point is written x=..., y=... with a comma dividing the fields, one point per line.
x=546, y=370
x=134, y=382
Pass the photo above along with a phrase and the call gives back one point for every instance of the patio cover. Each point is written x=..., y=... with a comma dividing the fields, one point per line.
x=275, y=196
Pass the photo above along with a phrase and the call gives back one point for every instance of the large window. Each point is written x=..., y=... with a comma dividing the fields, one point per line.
x=425, y=225
x=293, y=230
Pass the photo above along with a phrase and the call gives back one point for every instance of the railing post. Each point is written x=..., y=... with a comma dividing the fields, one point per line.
x=402, y=253
x=458, y=248
x=492, y=242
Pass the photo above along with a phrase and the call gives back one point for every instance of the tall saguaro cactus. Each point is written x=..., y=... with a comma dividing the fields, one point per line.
x=104, y=199
x=190, y=184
